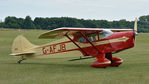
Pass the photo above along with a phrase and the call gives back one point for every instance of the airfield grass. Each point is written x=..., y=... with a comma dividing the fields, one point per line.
x=134, y=70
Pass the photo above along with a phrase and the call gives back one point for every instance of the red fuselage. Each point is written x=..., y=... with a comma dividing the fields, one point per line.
x=114, y=43
x=103, y=47
x=99, y=44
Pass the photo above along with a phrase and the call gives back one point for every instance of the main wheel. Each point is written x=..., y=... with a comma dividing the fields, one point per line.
x=116, y=61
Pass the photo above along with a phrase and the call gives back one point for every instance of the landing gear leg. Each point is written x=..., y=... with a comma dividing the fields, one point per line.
x=115, y=61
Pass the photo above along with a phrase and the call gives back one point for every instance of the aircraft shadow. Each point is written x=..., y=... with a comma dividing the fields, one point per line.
x=52, y=65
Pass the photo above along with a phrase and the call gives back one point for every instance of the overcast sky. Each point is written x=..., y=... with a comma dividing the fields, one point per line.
x=86, y=9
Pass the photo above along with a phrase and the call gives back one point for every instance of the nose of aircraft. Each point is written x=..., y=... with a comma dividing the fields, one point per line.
x=131, y=35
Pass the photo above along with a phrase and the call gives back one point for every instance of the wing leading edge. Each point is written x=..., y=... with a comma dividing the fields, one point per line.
x=61, y=32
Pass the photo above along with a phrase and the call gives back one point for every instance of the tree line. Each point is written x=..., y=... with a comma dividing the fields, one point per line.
x=57, y=22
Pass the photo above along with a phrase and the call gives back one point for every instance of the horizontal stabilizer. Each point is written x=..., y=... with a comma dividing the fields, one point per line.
x=18, y=54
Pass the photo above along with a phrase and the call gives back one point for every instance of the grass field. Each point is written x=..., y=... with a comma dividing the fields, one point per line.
x=134, y=70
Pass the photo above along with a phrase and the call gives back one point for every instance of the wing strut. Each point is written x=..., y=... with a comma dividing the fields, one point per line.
x=90, y=42
x=76, y=44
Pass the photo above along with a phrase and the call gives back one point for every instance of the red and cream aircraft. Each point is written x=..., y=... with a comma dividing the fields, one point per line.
x=88, y=42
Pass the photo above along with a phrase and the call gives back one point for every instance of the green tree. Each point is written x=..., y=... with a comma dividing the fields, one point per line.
x=103, y=24
x=11, y=22
x=2, y=25
x=28, y=23
x=144, y=23
x=56, y=22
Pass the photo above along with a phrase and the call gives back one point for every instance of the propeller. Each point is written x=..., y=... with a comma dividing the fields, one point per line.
x=135, y=27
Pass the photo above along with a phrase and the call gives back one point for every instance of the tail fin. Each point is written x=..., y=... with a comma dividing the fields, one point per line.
x=21, y=46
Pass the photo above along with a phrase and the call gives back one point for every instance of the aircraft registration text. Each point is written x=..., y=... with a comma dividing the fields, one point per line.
x=55, y=48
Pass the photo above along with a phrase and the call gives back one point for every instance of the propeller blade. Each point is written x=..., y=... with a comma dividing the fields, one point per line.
x=135, y=26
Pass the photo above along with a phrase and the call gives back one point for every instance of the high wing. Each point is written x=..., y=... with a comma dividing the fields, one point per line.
x=120, y=30
x=61, y=32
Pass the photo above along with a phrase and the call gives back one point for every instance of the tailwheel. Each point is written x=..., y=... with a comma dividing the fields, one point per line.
x=19, y=61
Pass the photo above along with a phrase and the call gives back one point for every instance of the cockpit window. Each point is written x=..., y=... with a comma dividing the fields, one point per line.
x=101, y=35
x=82, y=39
x=94, y=37
x=91, y=37
x=105, y=33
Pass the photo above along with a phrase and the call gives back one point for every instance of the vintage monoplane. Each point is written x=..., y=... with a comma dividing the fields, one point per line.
x=88, y=42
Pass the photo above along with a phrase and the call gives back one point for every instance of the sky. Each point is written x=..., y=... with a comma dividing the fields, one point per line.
x=82, y=9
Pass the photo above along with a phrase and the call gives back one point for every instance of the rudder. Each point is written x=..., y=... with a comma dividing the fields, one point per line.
x=22, y=46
